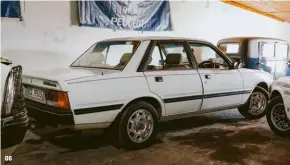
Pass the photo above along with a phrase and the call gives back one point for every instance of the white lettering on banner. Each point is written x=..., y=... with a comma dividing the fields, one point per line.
x=126, y=22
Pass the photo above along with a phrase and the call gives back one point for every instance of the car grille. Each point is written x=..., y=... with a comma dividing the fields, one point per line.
x=18, y=108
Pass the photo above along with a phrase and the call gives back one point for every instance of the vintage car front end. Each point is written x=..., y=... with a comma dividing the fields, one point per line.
x=268, y=54
x=278, y=110
x=14, y=118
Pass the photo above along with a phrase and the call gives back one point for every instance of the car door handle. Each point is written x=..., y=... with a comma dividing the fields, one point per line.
x=159, y=79
x=207, y=76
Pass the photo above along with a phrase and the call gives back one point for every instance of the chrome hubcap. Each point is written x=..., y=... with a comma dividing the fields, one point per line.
x=258, y=103
x=279, y=117
x=140, y=126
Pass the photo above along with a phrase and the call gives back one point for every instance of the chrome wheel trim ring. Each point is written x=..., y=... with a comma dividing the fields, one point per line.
x=10, y=94
x=258, y=103
x=140, y=126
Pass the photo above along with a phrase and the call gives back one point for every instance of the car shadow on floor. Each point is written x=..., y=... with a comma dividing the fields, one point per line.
x=77, y=142
x=202, y=120
x=235, y=141
x=234, y=146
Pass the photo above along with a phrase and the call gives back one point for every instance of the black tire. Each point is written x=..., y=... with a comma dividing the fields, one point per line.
x=244, y=109
x=274, y=102
x=12, y=136
x=124, y=140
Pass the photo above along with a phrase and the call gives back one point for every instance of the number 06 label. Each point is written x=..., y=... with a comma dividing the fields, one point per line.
x=8, y=158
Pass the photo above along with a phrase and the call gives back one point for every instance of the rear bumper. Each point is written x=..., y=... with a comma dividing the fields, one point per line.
x=47, y=115
x=11, y=121
x=44, y=118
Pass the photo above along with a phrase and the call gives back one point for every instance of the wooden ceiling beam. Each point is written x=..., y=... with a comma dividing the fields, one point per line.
x=245, y=7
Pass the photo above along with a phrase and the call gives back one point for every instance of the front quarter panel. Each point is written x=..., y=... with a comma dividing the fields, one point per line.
x=282, y=85
x=252, y=78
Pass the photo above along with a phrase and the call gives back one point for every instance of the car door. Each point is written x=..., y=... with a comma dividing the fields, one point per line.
x=223, y=87
x=172, y=76
x=281, y=59
x=267, y=59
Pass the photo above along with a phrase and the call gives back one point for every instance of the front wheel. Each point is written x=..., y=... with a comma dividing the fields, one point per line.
x=277, y=118
x=138, y=126
x=255, y=108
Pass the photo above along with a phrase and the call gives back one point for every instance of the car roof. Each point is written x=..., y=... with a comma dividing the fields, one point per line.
x=144, y=38
x=248, y=38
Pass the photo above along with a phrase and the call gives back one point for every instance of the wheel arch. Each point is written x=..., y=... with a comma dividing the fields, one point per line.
x=274, y=94
x=157, y=103
x=263, y=85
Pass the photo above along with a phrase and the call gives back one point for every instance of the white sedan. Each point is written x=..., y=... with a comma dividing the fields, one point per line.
x=134, y=83
x=278, y=114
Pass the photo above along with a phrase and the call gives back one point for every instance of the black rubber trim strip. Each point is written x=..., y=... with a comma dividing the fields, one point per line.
x=179, y=99
x=197, y=97
x=225, y=94
x=46, y=108
x=169, y=100
x=97, y=109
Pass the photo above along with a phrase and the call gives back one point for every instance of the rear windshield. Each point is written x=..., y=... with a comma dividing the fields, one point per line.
x=229, y=48
x=108, y=55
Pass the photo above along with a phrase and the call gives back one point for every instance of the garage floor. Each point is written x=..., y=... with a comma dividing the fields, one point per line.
x=219, y=138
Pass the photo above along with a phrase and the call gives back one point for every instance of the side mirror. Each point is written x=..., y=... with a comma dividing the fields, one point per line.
x=5, y=61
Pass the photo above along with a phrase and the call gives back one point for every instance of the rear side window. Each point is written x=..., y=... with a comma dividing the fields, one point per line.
x=229, y=48
x=108, y=55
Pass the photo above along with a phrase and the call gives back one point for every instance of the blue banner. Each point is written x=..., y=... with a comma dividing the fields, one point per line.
x=147, y=15
x=10, y=9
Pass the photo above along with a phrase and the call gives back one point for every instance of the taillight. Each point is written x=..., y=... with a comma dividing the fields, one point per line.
x=62, y=101
x=57, y=99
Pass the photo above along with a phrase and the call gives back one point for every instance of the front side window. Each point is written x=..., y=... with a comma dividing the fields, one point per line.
x=281, y=51
x=268, y=50
x=108, y=55
x=207, y=57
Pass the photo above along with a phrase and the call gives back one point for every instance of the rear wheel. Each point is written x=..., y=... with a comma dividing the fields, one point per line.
x=138, y=126
x=277, y=118
x=255, y=107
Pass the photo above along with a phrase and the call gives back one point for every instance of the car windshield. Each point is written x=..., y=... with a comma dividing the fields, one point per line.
x=108, y=55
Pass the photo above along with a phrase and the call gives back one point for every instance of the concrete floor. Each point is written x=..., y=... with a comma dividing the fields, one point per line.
x=218, y=138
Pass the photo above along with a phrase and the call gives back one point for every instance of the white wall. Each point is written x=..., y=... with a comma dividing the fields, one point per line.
x=46, y=37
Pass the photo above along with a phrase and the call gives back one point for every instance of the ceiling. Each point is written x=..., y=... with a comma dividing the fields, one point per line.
x=279, y=10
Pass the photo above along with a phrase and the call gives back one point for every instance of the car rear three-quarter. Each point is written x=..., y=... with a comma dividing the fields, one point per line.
x=278, y=112
x=91, y=93
x=13, y=113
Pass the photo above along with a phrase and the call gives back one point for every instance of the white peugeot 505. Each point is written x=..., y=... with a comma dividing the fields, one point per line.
x=134, y=83
x=278, y=110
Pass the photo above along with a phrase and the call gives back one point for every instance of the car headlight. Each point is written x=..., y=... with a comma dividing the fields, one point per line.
x=9, y=94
